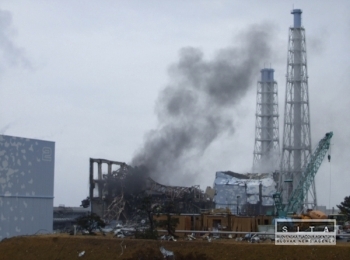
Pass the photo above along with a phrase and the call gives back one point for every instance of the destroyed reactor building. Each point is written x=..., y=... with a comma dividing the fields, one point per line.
x=245, y=194
x=252, y=193
x=113, y=194
x=117, y=194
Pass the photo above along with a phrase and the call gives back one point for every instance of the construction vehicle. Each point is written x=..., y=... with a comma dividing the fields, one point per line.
x=295, y=204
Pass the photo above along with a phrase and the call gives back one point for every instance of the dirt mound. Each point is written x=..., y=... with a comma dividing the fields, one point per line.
x=99, y=247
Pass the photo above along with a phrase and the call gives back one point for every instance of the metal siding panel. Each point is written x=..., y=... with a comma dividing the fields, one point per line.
x=25, y=216
x=26, y=166
x=26, y=186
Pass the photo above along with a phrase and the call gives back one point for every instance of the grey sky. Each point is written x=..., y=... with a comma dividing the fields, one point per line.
x=87, y=75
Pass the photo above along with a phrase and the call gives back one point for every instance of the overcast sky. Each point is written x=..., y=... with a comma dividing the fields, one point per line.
x=88, y=75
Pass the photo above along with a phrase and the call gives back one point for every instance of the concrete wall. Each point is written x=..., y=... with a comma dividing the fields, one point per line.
x=26, y=186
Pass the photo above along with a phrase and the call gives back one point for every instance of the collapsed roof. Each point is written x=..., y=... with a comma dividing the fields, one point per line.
x=113, y=194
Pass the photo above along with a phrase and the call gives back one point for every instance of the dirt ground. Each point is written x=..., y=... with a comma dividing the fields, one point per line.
x=99, y=247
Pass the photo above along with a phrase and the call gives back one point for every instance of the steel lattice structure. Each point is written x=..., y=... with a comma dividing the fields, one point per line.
x=175, y=192
x=296, y=201
x=266, y=148
x=296, y=147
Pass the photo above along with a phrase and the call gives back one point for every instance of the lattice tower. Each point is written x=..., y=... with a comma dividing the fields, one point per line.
x=296, y=148
x=266, y=148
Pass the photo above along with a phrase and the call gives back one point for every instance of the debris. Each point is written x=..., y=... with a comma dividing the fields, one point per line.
x=85, y=232
x=165, y=237
x=172, y=238
x=216, y=236
x=247, y=237
x=81, y=253
x=121, y=245
x=119, y=233
x=115, y=209
x=166, y=253
x=254, y=239
x=191, y=237
x=205, y=235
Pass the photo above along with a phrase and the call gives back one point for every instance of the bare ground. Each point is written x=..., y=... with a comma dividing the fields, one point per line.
x=99, y=247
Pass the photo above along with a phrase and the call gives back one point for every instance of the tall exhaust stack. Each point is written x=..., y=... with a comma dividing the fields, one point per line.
x=266, y=148
x=296, y=147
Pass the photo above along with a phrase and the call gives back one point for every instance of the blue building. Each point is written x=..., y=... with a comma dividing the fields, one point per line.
x=26, y=186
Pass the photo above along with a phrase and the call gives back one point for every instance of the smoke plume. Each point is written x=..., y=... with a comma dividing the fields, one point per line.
x=5, y=128
x=197, y=106
x=10, y=54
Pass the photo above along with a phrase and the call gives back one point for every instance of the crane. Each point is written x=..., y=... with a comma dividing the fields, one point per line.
x=297, y=197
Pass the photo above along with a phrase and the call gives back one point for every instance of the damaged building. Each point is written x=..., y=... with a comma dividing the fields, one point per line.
x=115, y=193
x=117, y=189
x=245, y=194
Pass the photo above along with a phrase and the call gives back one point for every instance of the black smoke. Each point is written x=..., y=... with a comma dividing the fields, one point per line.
x=197, y=106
